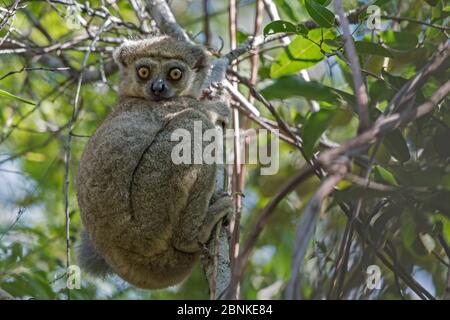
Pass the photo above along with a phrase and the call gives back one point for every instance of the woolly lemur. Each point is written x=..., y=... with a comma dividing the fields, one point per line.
x=145, y=217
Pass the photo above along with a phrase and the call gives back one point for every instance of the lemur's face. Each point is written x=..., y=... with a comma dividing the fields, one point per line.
x=159, y=78
x=161, y=68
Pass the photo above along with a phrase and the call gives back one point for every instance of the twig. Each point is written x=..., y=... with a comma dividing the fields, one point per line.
x=354, y=145
x=446, y=247
x=20, y=212
x=236, y=174
x=206, y=25
x=307, y=225
x=164, y=18
x=384, y=125
x=67, y=155
x=359, y=86
x=403, y=95
x=258, y=227
x=10, y=12
x=409, y=90
x=341, y=260
x=33, y=69
x=400, y=19
x=5, y=295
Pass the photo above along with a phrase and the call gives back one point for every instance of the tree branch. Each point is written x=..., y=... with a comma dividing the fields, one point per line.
x=5, y=295
x=358, y=83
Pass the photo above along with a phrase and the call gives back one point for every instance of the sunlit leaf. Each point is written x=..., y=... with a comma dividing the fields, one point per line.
x=279, y=26
x=300, y=54
x=384, y=175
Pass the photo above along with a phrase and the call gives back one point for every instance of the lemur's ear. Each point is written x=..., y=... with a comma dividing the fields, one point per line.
x=202, y=62
x=120, y=54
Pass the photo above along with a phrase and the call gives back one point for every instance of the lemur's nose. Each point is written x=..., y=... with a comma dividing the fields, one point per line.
x=158, y=87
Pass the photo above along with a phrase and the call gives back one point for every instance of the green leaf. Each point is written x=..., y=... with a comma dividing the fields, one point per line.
x=397, y=146
x=302, y=29
x=379, y=90
x=380, y=3
x=279, y=26
x=300, y=54
x=364, y=47
x=294, y=86
x=315, y=125
x=349, y=194
x=432, y=2
x=324, y=2
x=395, y=81
x=321, y=15
x=384, y=175
x=335, y=43
x=241, y=36
x=400, y=40
x=408, y=231
x=6, y=94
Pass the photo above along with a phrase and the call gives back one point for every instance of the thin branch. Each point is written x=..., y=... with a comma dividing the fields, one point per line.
x=326, y=160
x=400, y=19
x=206, y=24
x=5, y=295
x=409, y=90
x=446, y=247
x=307, y=225
x=67, y=156
x=384, y=125
x=164, y=18
x=359, y=86
x=258, y=227
x=33, y=69
x=237, y=167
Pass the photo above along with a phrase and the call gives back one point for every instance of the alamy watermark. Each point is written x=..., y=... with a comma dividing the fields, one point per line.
x=73, y=277
x=374, y=17
x=68, y=278
x=373, y=280
x=214, y=146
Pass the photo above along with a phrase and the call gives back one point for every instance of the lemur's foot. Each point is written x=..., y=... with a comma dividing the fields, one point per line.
x=221, y=208
x=214, y=91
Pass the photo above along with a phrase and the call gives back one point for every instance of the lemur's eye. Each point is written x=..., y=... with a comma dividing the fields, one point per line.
x=175, y=74
x=143, y=72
